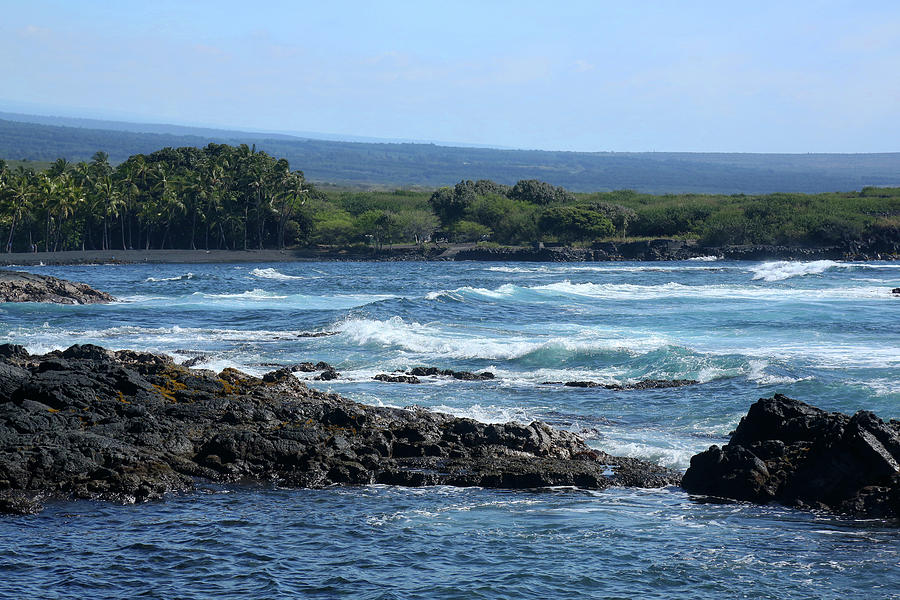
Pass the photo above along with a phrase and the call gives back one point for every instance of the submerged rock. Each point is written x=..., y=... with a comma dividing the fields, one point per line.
x=16, y=286
x=131, y=426
x=786, y=451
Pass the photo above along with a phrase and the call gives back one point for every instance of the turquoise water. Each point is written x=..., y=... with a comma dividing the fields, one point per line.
x=824, y=332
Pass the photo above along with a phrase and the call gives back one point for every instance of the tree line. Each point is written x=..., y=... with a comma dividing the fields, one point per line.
x=220, y=196
x=235, y=197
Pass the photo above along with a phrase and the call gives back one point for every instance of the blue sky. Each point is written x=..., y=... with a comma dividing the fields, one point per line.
x=591, y=76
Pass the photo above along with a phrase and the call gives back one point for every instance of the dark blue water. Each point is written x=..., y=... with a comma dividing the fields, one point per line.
x=827, y=333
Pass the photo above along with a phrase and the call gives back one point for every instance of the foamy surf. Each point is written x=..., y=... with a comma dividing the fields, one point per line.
x=781, y=270
x=464, y=343
x=270, y=273
x=184, y=277
x=668, y=290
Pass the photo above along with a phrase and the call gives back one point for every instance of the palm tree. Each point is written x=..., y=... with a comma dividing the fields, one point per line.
x=20, y=194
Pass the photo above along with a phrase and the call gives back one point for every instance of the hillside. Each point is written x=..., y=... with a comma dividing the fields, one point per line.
x=429, y=165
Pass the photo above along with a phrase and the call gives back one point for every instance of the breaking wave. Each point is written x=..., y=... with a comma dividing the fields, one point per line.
x=270, y=273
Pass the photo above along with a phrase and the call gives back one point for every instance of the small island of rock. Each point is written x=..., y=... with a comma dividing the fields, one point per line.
x=17, y=286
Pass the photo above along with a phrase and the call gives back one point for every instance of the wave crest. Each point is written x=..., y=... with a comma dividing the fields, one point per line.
x=270, y=273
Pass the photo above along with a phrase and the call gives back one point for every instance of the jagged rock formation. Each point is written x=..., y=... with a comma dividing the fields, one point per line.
x=786, y=451
x=130, y=426
x=644, y=384
x=16, y=286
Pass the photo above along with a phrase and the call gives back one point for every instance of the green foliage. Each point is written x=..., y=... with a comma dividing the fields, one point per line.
x=469, y=231
x=233, y=197
x=218, y=196
x=575, y=223
x=539, y=192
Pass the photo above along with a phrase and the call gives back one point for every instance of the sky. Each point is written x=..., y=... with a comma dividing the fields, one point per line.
x=715, y=76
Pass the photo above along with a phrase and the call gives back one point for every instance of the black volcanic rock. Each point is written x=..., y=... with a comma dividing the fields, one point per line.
x=786, y=451
x=461, y=375
x=396, y=378
x=645, y=384
x=16, y=286
x=130, y=426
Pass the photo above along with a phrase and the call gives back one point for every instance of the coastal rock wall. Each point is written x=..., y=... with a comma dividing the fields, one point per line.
x=130, y=426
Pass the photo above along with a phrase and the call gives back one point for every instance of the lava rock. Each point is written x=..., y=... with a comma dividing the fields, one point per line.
x=787, y=451
x=396, y=378
x=462, y=375
x=131, y=426
x=17, y=286
x=646, y=384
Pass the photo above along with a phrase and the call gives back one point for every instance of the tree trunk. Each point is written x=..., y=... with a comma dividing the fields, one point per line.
x=12, y=229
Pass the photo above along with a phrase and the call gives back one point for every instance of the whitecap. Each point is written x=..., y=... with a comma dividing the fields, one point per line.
x=270, y=273
x=184, y=277
x=704, y=259
x=783, y=269
x=466, y=343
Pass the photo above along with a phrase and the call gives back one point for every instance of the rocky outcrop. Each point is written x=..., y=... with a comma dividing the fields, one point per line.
x=16, y=286
x=644, y=384
x=129, y=426
x=396, y=378
x=786, y=451
x=461, y=375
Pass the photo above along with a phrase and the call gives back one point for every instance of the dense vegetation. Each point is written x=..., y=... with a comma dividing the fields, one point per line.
x=235, y=197
x=220, y=197
x=429, y=165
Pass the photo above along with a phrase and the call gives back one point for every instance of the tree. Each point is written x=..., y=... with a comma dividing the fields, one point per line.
x=540, y=192
x=19, y=195
x=574, y=223
x=417, y=225
x=619, y=215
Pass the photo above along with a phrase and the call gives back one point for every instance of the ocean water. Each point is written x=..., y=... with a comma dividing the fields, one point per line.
x=824, y=332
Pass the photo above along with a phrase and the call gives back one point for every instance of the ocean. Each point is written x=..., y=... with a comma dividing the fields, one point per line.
x=824, y=332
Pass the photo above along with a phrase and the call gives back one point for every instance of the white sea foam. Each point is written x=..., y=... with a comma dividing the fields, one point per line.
x=270, y=273
x=628, y=291
x=611, y=267
x=465, y=343
x=488, y=414
x=783, y=269
x=260, y=298
x=757, y=372
x=254, y=294
x=650, y=445
x=184, y=277
x=704, y=259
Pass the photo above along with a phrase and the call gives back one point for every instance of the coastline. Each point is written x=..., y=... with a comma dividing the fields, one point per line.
x=650, y=250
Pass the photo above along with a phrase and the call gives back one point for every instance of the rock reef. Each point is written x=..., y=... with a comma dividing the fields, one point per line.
x=786, y=451
x=129, y=427
x=17, y=286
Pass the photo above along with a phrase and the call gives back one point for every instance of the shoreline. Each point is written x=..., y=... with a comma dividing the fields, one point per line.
x=647, y=251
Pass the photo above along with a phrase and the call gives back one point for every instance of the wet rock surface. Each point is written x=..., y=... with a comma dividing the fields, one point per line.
x=129, y=427
x=461, y=375
x=787, y=451
x=17, y=286
x=644, y=384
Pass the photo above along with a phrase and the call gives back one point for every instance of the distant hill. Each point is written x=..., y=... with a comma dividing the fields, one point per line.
x=406, y=164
